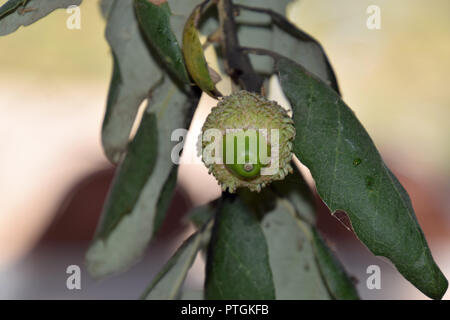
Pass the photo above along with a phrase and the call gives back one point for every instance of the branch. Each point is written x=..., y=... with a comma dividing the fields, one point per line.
x=237, y=63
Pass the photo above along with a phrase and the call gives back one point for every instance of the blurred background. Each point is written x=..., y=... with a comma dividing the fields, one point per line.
x=54, y=176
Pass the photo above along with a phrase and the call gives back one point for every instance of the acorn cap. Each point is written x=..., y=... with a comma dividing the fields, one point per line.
x=250, y=112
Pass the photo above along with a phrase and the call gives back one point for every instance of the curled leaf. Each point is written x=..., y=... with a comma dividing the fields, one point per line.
x=195, y=60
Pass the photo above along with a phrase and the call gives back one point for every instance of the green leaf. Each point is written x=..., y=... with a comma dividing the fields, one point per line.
x=17, y=13
x=351, y=176
x=168, y=282
x=238, y=263
x=295, y=272
x=131, y=175
x=115, y=87
x=155, y=22
x=130, y=215
x=194, y=57
x=135, y=72
x=338, y=283
x=165, y=198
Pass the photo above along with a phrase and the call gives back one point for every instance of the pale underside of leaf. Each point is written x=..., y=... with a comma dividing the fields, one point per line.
x=258, y=31
x=295, y=197
x=138, y=73
x=167, y=284
x=307, y=53
x=255, y=30
x=181, y=11
x=126, y=243
x=14, y=15
x=105, y=7
x=295, y=272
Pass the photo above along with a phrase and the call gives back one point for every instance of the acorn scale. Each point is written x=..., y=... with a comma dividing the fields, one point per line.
x=264, y=152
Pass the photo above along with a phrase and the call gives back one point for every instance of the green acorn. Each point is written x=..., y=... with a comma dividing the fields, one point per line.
x=255, y=137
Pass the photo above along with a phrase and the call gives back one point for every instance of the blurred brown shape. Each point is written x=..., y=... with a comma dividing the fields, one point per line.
x=76, y=219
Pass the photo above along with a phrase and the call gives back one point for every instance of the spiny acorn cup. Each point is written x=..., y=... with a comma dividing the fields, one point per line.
x=247, y=142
